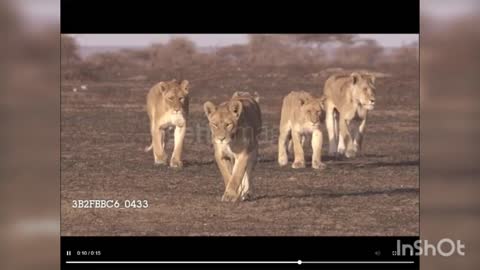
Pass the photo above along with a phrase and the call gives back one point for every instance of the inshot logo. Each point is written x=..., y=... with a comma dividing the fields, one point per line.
x=445, y=247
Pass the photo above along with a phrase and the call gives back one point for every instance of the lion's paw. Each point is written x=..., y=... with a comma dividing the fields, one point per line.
x=298, y=165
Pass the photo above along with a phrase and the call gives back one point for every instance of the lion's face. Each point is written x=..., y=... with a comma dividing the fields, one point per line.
x=175, y=96
x=313, y=110
x=364, y=90
x=223, y=120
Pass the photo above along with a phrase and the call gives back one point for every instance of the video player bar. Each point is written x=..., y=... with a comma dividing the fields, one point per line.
x=237, y=253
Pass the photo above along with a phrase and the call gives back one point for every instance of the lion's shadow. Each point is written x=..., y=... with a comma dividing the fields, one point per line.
x=332, y=195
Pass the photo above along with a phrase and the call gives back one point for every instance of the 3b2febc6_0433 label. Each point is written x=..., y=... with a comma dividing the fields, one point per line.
x=120, y=204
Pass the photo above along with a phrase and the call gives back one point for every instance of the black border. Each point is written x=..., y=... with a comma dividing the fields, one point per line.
x=339, y=16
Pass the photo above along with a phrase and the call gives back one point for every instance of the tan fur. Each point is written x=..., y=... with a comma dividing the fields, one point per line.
x=167, y=107
x=349, y=98
x=235, y=126
x=302, y=115
x=247, y=94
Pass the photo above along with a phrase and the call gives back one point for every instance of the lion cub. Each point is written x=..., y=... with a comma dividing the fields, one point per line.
x=235, y=126
x=167, y=107
x=301, y=115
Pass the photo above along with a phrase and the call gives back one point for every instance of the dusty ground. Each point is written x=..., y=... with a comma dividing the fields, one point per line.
x=105, y=129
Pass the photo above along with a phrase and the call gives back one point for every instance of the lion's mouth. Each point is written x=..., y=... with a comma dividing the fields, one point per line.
x=369, y=106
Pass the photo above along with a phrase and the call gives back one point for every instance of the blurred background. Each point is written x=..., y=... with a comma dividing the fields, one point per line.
x=449, y=84
x=30, y=148
x=30, y=154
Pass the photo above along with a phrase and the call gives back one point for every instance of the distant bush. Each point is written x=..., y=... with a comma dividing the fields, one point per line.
x=179, y=58
x=366, y=53
x=69, y=51
x=232, y=55
x=280, y=50
x=406, y=54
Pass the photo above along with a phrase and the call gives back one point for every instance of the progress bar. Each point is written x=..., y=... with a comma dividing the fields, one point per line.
x=240, y=262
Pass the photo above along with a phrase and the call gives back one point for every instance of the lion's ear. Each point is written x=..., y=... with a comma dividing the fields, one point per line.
x=209, y=108
x=302, y=101
x=355, y=77
x=236, y=108
x=372, y=78
x=161, y=87
x=256, y=97
x=185, y=85
x=322, y=100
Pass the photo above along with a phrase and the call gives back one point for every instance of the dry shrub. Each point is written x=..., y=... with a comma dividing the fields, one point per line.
x=407, y=54
x=280, y=50
x=69, y=51
x=173, y=58
x=179, y=58
x=366, y=53
x=233, y=55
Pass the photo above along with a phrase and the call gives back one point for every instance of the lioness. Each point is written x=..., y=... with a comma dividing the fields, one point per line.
x=349, y=98
x=301, y=115
x=235, y=126
x=167, y=107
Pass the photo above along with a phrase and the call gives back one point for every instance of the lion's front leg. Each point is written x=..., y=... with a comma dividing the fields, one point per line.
x=346, y=139
x=176, y=160
x=158, y=139
x=246, y=187
x=317, y=140
x=225, y=167
x=358, y=139
x=232, y=192
x=299, y=160
x=283, y=140
x=331, y=130
x=345, y=144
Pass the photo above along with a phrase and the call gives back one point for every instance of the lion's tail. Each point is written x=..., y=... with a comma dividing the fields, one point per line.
x=148, y=148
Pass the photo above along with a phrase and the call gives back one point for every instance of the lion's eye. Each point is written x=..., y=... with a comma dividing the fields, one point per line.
x=170, y=98
x=213, y=125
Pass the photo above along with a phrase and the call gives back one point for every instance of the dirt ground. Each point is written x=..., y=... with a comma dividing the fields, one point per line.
x=104, y=130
